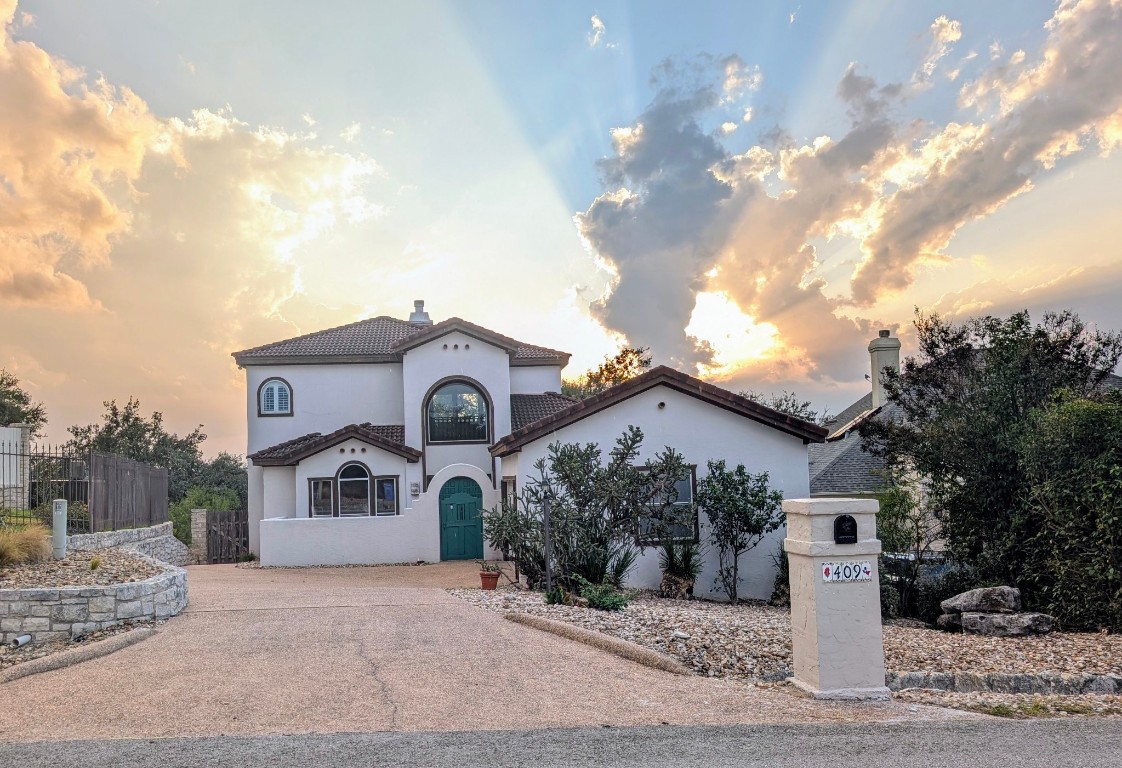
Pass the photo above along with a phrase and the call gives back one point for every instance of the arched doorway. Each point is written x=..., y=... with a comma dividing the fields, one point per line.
x=461, y=526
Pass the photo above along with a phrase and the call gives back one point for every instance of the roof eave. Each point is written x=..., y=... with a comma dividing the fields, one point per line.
x=245, y=362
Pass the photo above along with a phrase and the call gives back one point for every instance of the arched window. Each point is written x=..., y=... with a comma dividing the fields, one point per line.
x=354, y=491
x=274, y=398
x=457, y=413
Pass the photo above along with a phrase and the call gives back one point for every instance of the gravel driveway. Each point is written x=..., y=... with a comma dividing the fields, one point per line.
x=270, y=651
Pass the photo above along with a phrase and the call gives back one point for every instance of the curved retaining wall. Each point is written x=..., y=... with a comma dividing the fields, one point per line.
x=57, y=612
x=48, y=614
x=154, y=541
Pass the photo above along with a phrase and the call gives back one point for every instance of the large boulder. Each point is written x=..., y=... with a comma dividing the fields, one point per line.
x=951, y=622
x=984, y=600
x=1006, y=624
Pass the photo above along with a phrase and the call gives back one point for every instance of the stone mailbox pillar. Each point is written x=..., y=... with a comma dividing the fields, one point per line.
x=836, y=634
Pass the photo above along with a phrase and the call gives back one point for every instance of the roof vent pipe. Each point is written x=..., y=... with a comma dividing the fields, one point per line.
x=419, y=316
x=884, y=352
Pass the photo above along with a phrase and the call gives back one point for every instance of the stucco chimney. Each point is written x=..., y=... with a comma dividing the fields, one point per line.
x=884, y=352
x=420, y=316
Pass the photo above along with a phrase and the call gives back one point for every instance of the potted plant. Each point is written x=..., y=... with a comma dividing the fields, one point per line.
x=489, y=574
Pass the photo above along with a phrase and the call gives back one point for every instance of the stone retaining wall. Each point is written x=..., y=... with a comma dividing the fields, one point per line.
x=974, y=682
x=154, y=541
x=48, y=614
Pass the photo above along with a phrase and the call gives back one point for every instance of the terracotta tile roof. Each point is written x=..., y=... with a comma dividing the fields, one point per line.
x=519, y=351
x=389, y=437
x=664, y=376
x=383, y=340
x=526, y=409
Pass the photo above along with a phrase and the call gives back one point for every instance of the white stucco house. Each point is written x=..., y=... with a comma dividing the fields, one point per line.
x=380, y=441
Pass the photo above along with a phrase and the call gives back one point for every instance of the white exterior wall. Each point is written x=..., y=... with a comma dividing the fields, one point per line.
x=280, y=491
x=328, y=462
x=700, y=432
x=534, y=379
x=349, y=540
x=256, y=504
x=325, y=398
x=456, y=354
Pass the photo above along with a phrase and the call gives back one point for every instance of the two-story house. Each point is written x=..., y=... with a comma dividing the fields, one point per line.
x=381, y=441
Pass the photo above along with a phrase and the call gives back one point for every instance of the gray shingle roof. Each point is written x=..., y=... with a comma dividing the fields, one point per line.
x=390, y=437
x=382, y=340
x=842, y=467
x=526, y=409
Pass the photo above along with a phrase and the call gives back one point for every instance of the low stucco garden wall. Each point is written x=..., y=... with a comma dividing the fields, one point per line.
x=56, y=612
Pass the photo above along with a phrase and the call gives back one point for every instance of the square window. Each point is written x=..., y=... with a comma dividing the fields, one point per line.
x=680, y=519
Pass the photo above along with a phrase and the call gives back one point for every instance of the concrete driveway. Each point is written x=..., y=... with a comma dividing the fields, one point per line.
x=263, y=651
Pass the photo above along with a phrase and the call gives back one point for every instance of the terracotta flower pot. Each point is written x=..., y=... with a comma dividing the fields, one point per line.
x=490, y=579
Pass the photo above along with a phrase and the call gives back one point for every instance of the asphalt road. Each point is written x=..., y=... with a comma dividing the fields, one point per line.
x=1090, y=743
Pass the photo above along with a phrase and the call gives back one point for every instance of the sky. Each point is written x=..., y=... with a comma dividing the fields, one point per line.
x=751, y=190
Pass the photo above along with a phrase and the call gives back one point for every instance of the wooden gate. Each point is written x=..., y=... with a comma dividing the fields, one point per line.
x=227, y=535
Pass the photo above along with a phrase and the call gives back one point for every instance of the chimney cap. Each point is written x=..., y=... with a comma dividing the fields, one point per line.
x=884, y=333
x=419, y=315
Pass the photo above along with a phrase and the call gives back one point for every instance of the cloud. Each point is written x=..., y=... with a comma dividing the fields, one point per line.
x=597, y=33
x=137, y=251
x=1047, y=109
x=944, y=33
x=683, y=217
x=350, y=133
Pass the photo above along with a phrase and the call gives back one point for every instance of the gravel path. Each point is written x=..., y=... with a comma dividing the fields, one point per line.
x=753, y=641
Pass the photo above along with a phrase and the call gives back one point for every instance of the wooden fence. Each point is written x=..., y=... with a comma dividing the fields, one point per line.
x=227, y=535
x=126, y=494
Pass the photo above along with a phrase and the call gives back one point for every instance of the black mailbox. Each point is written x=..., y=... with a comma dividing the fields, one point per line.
x=845, y=529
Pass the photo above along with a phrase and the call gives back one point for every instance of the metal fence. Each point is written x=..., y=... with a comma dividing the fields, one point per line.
x=105, y=492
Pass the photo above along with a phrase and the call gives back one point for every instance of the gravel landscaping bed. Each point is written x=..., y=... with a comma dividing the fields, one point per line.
x=1016, y=705
x=752, y=641
x=115, y=567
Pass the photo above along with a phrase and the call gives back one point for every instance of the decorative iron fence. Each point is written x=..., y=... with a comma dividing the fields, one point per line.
x=105, y=492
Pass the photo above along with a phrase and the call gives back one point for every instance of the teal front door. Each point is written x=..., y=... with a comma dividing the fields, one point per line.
x=461, y=527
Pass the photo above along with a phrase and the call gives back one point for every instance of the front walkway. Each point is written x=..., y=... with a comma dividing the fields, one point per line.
x=271, y=651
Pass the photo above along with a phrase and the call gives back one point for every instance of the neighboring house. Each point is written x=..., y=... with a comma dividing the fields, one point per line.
x=381, y=441
x=840, y=466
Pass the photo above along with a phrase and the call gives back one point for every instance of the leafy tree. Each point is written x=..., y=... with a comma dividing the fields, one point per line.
x=225, y=472
x=742, y=510
x=221, y=499
x=908, y=530
x=964, y=404
x=789, y=403
x=625, y=364
x=16, y=406
x=595, y=505
x=125, y=432
x=1071, y=453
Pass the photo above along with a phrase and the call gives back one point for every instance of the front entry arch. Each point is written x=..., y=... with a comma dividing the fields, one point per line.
x=461, y=525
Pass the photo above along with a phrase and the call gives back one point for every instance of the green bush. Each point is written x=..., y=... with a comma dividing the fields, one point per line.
x=1072, y=455
x=221, y=499
x=603, y=597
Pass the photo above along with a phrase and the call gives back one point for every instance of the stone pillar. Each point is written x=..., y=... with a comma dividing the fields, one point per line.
x=198, y=536
x=836, y=632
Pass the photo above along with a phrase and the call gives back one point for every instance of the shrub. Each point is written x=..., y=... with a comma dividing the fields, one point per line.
x=742, y=510
x=1072, y=456
x=95, y=562
x=221, y=499
x=603, y=597
x=680, y=562
x=781, y=591
x=29, y=544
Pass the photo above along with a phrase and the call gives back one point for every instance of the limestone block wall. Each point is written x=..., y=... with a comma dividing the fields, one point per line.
x=48, y=614
x=154, y=541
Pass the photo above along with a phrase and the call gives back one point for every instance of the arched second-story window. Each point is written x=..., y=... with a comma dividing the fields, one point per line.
x=457, y=413
x=274, y=398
